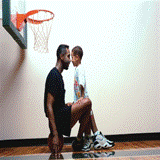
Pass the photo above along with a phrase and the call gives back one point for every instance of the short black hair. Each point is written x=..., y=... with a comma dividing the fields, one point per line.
x=77, y=50
x=61, y=50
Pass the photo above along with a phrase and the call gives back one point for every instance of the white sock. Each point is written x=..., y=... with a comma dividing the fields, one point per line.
x=97, y=133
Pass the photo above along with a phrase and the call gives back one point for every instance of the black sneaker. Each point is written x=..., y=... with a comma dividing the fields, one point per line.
x=77, y=145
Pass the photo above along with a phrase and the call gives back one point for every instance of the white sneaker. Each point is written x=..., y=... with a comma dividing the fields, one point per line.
x=100, y=141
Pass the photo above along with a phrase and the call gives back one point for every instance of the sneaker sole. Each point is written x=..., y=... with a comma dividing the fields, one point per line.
x=112, y=145
x=86, y=150
x=99, y=147
x=103, y=146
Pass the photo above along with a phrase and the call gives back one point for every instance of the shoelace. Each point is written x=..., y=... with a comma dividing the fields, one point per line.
x=86, y=143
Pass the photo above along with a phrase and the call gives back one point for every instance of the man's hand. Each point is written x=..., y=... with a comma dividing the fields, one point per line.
x=55, y=142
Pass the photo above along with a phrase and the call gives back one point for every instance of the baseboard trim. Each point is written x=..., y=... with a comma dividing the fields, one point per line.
x=43, y=141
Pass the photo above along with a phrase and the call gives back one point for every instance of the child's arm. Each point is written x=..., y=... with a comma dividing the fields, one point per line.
x=82, y=91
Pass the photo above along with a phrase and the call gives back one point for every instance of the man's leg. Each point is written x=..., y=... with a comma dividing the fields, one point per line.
x=88, y=142
x=87, y=131
x=81, y=111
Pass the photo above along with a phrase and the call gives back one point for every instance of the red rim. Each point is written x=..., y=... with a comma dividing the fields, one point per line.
x=30, y=20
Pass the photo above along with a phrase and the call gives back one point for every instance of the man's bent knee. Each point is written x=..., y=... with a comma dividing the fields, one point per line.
x=88, y=103
x=82, y=105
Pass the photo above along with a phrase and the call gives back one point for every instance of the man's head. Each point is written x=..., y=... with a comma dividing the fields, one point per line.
x=77, y=54
x=63, y=55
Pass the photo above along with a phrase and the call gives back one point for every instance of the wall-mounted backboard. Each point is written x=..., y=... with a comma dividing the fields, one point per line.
x=0, y=9
x=10, y=8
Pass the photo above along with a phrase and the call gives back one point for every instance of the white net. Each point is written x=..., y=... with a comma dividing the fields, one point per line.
x=41, y=24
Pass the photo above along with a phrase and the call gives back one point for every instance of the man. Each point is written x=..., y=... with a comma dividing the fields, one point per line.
x=62, y=117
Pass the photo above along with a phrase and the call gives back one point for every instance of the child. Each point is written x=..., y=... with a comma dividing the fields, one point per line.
x=80, y=92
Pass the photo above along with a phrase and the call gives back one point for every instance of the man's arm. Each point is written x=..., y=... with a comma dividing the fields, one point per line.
x=50, y=112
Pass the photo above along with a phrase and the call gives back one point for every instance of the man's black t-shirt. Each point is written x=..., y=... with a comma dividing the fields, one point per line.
x=55, y=86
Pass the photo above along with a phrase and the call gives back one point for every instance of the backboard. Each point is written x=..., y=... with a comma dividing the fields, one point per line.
x=0, y=10
x=10, y=8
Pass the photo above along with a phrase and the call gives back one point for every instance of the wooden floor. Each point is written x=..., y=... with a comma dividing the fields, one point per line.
x=67, y=149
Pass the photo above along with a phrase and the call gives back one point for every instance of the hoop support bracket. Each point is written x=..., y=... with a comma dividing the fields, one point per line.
x=22, y=19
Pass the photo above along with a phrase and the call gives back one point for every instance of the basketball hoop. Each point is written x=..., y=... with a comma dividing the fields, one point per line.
x=40, y=22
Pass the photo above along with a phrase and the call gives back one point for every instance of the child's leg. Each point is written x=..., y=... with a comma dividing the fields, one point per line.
x=99, y=139
x=93, y=123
